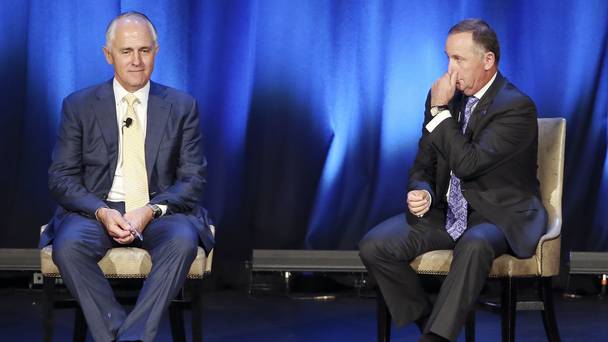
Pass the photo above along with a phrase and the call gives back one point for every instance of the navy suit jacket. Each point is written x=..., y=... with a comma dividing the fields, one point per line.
x=85, y=156
x=495, y=159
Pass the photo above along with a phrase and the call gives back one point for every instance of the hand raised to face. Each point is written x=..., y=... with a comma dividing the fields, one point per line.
x=443, y=89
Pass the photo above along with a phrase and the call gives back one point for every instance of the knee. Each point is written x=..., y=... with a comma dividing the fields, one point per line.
x=184, y=245
x=369, y=249
x=475, y=248
x=65, y=250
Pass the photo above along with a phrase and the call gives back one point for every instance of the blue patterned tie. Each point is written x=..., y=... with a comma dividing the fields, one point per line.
x=456, y=220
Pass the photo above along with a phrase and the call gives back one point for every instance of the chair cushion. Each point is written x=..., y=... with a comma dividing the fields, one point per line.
x=127, y=262
x=438, y=263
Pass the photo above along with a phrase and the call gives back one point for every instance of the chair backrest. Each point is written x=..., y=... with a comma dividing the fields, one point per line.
x=551, y=149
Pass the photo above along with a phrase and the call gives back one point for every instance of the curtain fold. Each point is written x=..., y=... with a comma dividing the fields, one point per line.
x=311, y=110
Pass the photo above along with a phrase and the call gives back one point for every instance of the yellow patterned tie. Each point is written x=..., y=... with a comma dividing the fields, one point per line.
x=134, y=160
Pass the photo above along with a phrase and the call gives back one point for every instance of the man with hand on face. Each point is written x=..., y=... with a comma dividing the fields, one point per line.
x=127, y=170
x=472, y=188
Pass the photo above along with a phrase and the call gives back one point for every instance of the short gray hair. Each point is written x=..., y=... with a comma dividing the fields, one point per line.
x=483, y=35
x=111, y=30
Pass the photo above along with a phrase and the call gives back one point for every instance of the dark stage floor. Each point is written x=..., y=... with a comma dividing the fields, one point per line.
x=235, y=316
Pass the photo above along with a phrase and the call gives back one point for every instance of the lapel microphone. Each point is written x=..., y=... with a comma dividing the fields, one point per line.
x=128, y=122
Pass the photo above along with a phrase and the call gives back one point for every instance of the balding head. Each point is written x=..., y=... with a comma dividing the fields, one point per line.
x=131, y=48
x=127, y=18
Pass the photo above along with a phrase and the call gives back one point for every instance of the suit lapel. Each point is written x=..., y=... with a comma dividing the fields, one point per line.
x=481, y=110
x=456, y=106
x=158, y=114
x=105, y=112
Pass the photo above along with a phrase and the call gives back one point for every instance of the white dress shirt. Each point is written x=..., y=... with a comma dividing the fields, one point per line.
x=117, y=192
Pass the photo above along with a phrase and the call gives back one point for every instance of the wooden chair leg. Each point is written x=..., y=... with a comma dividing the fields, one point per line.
x=197, y=310
x=469, y=328
x=548, y=312
x=383, y=319
x=48, y=285
x=80, y=325
x=176, y=317
x=508, y=309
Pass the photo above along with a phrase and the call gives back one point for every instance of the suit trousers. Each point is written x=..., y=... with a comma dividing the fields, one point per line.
x=387, y=249
x=80, y=242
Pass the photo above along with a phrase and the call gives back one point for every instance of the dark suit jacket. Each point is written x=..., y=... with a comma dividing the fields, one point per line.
x=85, y=156
x=496, y=161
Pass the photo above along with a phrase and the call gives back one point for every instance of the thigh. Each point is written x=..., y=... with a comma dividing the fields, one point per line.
x=397, y=239
x=175, y=227
x=75, y=230
x=485, y=234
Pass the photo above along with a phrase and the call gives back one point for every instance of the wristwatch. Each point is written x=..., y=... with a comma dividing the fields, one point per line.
x=156, y=211
x=438, y=109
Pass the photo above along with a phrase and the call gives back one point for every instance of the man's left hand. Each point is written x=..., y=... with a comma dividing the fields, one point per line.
x=443, y=89
x=139, y=218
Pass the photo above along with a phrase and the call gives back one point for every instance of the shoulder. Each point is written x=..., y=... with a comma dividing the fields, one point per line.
x=511, y=97
x=88, y=94
x=172, y=95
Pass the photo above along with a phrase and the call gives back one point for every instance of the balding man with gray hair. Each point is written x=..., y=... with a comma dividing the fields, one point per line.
x=128, y=170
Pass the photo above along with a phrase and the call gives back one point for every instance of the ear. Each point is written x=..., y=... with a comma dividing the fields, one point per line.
x=489, y=60
x=108, y=54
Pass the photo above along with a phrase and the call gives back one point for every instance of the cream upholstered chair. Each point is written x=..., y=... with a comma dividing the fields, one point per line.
x=130, y=263
x=543, y=265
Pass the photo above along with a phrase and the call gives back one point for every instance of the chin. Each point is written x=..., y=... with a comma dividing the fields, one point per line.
x=136, y=84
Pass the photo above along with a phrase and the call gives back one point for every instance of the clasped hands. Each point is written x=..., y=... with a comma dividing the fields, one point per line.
x=121, y=227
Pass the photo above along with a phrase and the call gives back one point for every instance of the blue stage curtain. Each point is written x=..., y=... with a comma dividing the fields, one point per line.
x=311, y=110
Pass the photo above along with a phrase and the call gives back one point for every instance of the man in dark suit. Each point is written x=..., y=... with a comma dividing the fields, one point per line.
x=472, y=188
x=127, y=170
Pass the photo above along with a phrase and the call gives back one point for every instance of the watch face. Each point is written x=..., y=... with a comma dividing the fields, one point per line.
x=156, y=211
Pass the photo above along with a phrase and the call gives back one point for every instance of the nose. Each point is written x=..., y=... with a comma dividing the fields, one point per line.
x=136, y=59
x=451, y=66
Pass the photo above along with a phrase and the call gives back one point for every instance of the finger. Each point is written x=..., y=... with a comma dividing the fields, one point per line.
x=417, y=205
x=122, y=223
x=124, y=240
x=117, y=232
x=416, y=201
x=416, y=210
x=453, y=78
x=120, y=241
x=415, y=195
x=421, y=209
x=419, y=212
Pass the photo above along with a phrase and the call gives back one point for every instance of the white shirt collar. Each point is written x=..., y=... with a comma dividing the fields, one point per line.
x=485, y=88
x=120, y=92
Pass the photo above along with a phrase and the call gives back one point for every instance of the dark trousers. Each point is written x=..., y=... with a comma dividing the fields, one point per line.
x=389, y=247
x=81, y=242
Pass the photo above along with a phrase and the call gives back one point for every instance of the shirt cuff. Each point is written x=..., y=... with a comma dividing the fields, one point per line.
x=444, y=114
x=163, y=208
